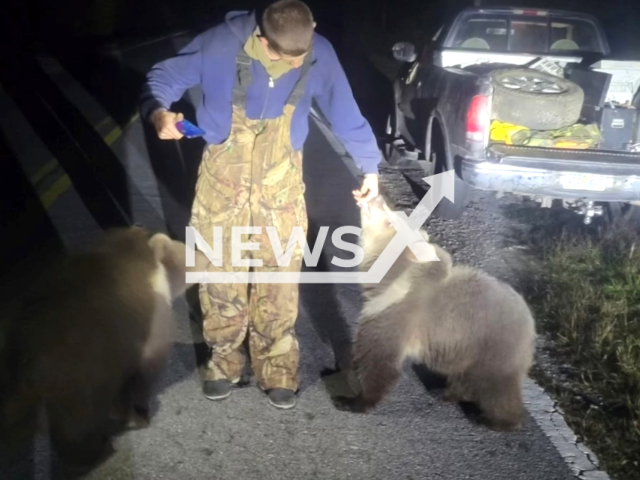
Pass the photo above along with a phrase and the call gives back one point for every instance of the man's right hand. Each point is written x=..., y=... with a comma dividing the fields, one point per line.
x=165, y=124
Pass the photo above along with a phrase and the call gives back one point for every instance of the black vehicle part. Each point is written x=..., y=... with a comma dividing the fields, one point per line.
x=534, y=99
x=618, y=127
x=446, y=209
x=391, y=132
x=622, y=215
x=594, y=84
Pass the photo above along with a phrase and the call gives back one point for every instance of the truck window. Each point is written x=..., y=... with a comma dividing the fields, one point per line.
x=567, y=35
x=482, y=32
x=526, y=34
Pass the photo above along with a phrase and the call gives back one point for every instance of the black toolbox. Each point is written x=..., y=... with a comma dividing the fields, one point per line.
x=619, y=128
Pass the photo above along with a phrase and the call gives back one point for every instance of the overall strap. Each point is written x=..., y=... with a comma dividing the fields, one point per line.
x=298, y=89
x=243, y=79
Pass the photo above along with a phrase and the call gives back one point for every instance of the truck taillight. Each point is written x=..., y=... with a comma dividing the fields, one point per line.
x=478, y=118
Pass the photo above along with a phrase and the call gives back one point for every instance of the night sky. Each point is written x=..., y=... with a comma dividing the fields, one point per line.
x=48, y=20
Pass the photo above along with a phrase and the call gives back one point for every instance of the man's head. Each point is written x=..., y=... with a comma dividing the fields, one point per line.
x=286, y=31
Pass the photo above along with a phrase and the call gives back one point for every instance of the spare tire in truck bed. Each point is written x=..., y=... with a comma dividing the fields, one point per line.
x=534, y=99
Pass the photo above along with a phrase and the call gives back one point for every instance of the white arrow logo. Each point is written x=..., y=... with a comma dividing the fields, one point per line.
x=407, y=235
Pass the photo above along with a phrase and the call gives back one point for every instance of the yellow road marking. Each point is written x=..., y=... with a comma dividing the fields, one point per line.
x=103, y=122
x=43, y=171
x=58, y=188
x=63, y=184
x=113, y=135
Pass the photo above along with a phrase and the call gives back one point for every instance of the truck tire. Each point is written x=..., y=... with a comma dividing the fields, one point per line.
x=534, y=99
x=391, y=132
x=446, y=209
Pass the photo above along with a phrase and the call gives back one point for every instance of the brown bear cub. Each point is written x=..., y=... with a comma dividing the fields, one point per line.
x=92, y=340
x=457, y=321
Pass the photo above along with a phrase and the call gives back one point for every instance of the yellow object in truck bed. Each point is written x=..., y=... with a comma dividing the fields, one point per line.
x=576, y=136
x=503, y=132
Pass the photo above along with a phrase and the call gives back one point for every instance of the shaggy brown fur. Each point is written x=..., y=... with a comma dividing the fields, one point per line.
x=91, y=341
x=457, y=321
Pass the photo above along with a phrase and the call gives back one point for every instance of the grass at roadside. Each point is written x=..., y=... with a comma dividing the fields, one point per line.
x=586, y=298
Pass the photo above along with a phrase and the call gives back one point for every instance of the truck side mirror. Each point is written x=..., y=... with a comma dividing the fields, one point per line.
x=404, y=52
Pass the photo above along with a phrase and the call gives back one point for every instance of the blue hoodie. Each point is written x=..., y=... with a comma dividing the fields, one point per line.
x=210, y=61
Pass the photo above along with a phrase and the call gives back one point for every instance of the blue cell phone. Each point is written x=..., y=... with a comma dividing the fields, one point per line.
x=189, y=130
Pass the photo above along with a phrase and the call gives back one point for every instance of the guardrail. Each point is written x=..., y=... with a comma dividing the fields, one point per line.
x=95, y=171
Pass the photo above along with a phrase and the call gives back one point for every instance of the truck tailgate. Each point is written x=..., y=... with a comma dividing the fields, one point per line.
x=562, y=159
x=560, y=173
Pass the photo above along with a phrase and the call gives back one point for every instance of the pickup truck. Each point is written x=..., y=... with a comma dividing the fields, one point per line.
x=543, y=72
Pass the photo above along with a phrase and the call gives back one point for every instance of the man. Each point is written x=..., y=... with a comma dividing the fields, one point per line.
x=258, y=76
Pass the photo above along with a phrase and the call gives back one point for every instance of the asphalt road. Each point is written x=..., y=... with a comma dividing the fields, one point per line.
x=412, y=435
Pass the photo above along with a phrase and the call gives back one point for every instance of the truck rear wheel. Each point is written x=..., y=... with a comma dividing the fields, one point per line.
x=534, y=99
x=392, y=132
x=390, y=135
x=438, y=152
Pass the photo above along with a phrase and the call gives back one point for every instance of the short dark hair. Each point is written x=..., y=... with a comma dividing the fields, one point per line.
x=288, y=27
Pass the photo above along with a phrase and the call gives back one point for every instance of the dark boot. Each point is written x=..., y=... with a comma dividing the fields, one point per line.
x=217, y=389
x=282, y=398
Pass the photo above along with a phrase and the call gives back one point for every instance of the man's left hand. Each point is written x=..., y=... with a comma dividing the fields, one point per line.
x=368, y=190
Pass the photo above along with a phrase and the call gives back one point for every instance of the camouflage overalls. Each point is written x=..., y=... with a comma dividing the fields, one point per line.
x=252, y=179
